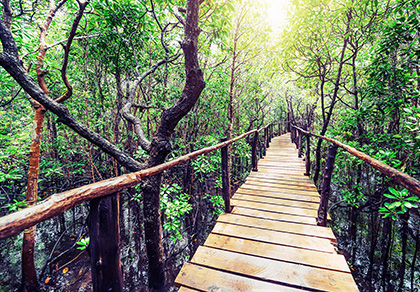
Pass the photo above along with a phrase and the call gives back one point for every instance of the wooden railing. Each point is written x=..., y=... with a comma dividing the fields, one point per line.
x=58, y=203
x=410, y=183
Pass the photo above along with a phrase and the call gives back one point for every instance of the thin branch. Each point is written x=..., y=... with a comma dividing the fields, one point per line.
x=75, y=38
x=69, y=92
x=10, y=101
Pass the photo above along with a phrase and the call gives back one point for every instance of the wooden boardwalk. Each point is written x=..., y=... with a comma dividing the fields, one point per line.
x=270, y=241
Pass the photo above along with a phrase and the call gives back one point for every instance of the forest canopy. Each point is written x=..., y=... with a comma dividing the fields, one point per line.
x=92, y=90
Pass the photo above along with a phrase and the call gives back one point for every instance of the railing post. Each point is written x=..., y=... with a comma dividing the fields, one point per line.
x=270, y=133
x=279, y=129
x=300, y=144
x=225, y=177
x=264, y=148
x=292, y=134
x=104, y=246
x=254, y=152
x=326, y=186
x=267, y=139
x=308, y=155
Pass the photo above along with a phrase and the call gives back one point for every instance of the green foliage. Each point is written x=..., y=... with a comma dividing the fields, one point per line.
x=217, y=202
x=401, y=203
x=83, y=243
x=175, y=205
x=353, y=198
x=16, y=205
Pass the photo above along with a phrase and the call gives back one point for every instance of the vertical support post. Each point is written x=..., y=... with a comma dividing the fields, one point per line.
x=267, y=139
x=326, y=186
x=104, y=245
x=225, y=177
x=292, y=134
x=279, y=129
x=264, y=144
x=254, y=152
x=270, y=132
x=308, y=155
x=300, y=144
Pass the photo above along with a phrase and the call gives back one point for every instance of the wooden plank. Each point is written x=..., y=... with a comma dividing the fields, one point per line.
x=276, y=271
x=275, y=208
x=312, y=258
x=276, y=201
x=300, y=180
x=279, y=190
x=300, y=177
x=288, y=169
x=284, y=164
x=206, y=279
x=274, y=172
x=289, y=184
x=273, y=216
x=289, y=227
x=186, y=289
x=276, y=237
x=285, y=196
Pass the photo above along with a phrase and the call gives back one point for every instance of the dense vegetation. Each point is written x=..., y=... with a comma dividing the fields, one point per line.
x=130, y=73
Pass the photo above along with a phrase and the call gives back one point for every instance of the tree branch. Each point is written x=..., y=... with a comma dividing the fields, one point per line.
x=69, y=92
x=7, y=14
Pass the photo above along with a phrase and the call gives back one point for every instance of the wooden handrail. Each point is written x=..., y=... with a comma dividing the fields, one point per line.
x=410, y=183
x=56, y=204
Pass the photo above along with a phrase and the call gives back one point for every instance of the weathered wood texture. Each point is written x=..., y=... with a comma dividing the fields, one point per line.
x=270, y=240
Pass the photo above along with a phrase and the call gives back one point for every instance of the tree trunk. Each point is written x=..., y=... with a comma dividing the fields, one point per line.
x=326, y=186
x=413, y=263
x=404, y=235
x=331, y=107
x=386, y=245
x=29, y=279
x=104, y=245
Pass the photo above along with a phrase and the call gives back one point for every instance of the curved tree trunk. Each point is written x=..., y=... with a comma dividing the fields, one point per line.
x=161, y=147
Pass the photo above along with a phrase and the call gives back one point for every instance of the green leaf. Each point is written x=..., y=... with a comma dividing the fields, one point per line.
x=410, y=205
x=394, y=192
x=394, y=205
x=390, y=196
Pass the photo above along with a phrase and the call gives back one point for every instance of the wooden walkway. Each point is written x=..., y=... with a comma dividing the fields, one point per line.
x=270, y=241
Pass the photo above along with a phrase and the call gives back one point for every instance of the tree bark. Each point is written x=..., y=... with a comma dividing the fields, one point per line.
x=404, y=236
x=104, y=245
x=386, y=245
x=29, y=279
x=326, y=186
